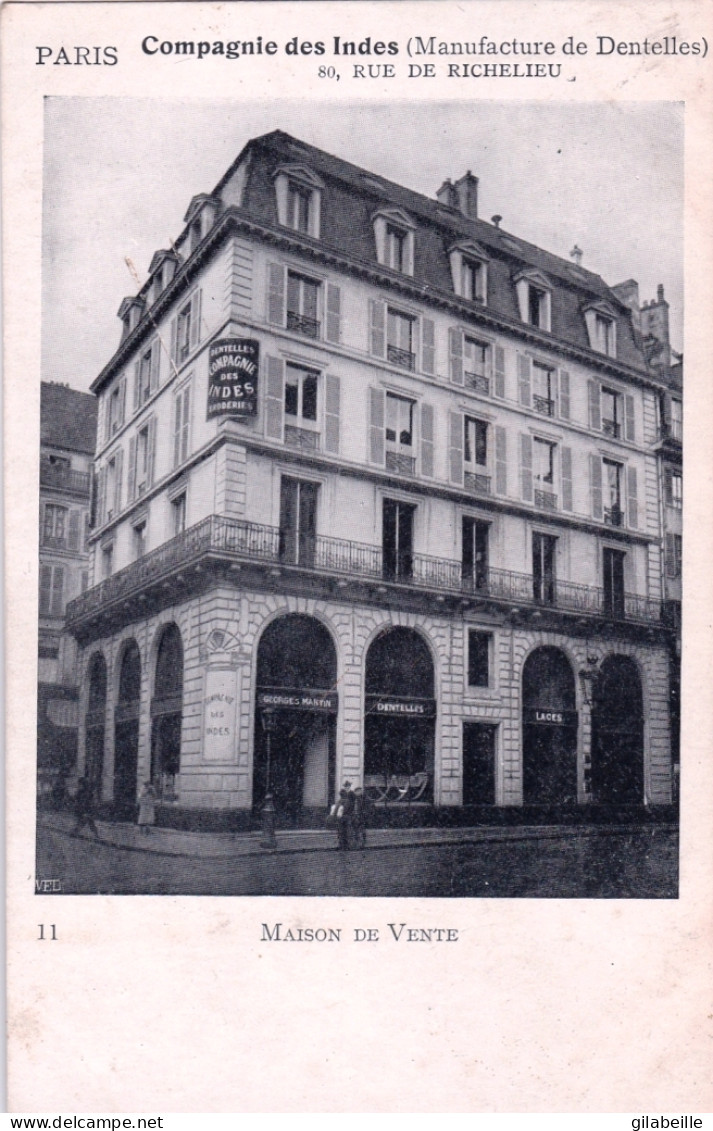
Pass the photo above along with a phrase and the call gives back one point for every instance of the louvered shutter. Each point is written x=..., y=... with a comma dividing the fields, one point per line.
x=455, y=352
x=428, y=346
x=500, y=372
x=74, y=529
x=132, y=469
x=45, y=588
x=415, y=337
x=122, y=400
x=137, y=384
x=427, y=439
x=595, y=486
x=566, y=479
x=195, y=328
x=186, y=423
x=92, y=516
x=455, y=447
x=57, y=606
x=119, y=475
x=101, y=496
x=151, y=452
x=670, y=555
x=524, y=379
x=668, y=485
x=594, y=393
x=274, y=397
x=276, y=314
x=331, y=413
x=629, y=418
x=632, y=504
x=334, y=313
x=377, y=431
x=174, y=345
x=177, y=417
x=526, y=467
x=377, y=328
x=501, y=467
x=564, y=394
x=154, y=378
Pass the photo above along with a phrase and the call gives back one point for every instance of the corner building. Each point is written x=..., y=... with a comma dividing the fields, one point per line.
x=376, y=497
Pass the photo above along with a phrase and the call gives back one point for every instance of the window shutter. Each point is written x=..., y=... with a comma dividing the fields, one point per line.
x=594, y=391
x=500, y=372
x=455, y=447
x=92, y=516
x=118, y=480
x=670, y=555
x=377, y=328
x=186, y=423
x=526, y=467
x=415, y=336
x=74, y=524
x=334, y=313
x=629, y=417
x=276, y=294
x=566, y=479
x=174, y=345
x=501, y=467
x=122, y=400
x=195, y=328
x=427, y=439
x=46, y=588
x=155, y=364
x=57, y=607
x=564, y=394
x=632, y=509
x=455, y=349
x=331, y=413
x=523, y=377
x=274, y=397
x=101, y=492
x=151, y=452
x=132, y=468
x=668, y=485
x=377, y=432
x=595, y=486
x=428, y=346
x=137, y=384
x=177, y=414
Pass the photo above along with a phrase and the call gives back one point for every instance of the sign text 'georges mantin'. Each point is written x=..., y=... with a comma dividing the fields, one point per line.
x=233, y=365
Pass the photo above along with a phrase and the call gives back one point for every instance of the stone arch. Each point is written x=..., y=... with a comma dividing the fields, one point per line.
x=95, y=720
x=549, y=727
x=126, y=725
x=618, y=732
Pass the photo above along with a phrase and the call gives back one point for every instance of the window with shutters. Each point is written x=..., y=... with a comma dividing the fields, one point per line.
x=613, y=581
x=303, y=305
x=145, y=375
x=107, y=560
x=54, y=526
x=143, y=459
x=476, y=365
x=298, y=521
x=479, y=658
x=178, y=514
x=474, y=552
x=139, y=538
x=543, y=388
x=183, y=332
x=397, y=539
x=51, y=590
x=544, y=554
x=112, y=488
x=117, y=401
x=543, y=470
x=182, y=425
x=476, y=475
x=400, y=339
x=301, y=407
x=612, y=492
x=400, y=446
x=676, y=420
x=611, y=413
x=674, y=488
x=674, y=551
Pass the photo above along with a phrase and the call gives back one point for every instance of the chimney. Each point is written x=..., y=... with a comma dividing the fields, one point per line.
x=654, y=323
x=467, y=190
x=628, y=293
x=576, y=254
x=447, y=194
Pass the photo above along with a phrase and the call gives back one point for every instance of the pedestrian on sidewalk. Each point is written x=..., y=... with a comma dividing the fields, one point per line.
x=359, y=818
x=345, y=816
x=84, y=807
x=147, y=808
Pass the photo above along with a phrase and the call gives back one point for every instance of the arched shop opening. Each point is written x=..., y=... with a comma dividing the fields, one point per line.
x=167, y=712
x=618, y=734
x=126, y=730
x=400, y=722
x=94, y=724
x=295, y=719
x=549, y=729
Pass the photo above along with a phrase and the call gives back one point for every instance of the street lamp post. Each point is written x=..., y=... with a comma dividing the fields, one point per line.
x=267, y=813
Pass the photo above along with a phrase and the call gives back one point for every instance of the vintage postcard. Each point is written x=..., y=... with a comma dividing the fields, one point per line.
x=357, y=596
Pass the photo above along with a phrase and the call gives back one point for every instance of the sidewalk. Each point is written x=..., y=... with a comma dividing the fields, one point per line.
x=175, y=842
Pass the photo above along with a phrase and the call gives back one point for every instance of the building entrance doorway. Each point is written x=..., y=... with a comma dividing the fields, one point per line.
x=618, y=734
x=126, y=732
x=295, y=719
x=549, y=729
x=478, y=764
x=167, y=713
x=94, y=725
x=399, y=729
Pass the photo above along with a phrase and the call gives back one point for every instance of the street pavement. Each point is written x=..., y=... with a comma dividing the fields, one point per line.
x=624, y=861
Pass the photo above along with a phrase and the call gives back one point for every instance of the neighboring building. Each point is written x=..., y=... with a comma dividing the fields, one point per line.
x=67, y=444
x=377, y=498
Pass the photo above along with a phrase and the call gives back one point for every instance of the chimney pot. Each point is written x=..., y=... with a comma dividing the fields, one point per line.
x=659, y=293
x=467, y=190
x=447, y=194
x=496, y=219
x=576, y=254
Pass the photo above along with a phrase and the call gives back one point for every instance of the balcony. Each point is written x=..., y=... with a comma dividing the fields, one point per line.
x=237, y=543
x=478, y=382
x=611, y=428
x=671, y=430
x=543, y=405
x=64, y=478
x=402, y=358
x=302, y=438
x=477, y=483
x=401, y=463
x=613, y=516
x=301, y=324
x=545, y=500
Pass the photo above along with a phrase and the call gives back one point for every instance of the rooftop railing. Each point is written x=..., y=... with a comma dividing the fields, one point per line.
x=64, y=478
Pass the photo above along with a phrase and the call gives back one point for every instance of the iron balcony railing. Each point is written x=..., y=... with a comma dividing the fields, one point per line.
x=671, y=430
x=543, y=405
x=478, y=382
x=302, y=438
x=477, y=483
x=400, y=357
x=614, y=516
x=64, y=478
x=611, y=428
x=337, y=556
x=301, y=324
x=400, y=462
x=546, y=500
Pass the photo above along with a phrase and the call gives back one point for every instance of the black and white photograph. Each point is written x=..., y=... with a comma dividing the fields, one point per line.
x=360, y=523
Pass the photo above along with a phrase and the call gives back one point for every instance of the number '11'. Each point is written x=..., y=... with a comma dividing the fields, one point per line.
x=53, y=929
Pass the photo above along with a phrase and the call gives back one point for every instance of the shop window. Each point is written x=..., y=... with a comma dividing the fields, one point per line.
x=544, y=548
x=479, y=658
x=51, y=590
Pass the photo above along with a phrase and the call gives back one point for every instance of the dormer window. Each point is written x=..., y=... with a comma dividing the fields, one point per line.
x=130, y=313
x=298, y=193
x=534, y=296
x=394, y=238
x=601, y=328
x=199, y=218
x=469, y=267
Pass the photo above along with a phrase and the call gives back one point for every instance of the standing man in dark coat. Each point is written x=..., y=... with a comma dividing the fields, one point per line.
x=84, y=808
x=345, y=814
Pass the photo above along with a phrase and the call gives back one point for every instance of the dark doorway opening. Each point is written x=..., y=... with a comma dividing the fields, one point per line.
x=94, y=725
x=549, y=729
x=167, y=713
x=478, y=763
x=618, y=734
x=126, y=732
